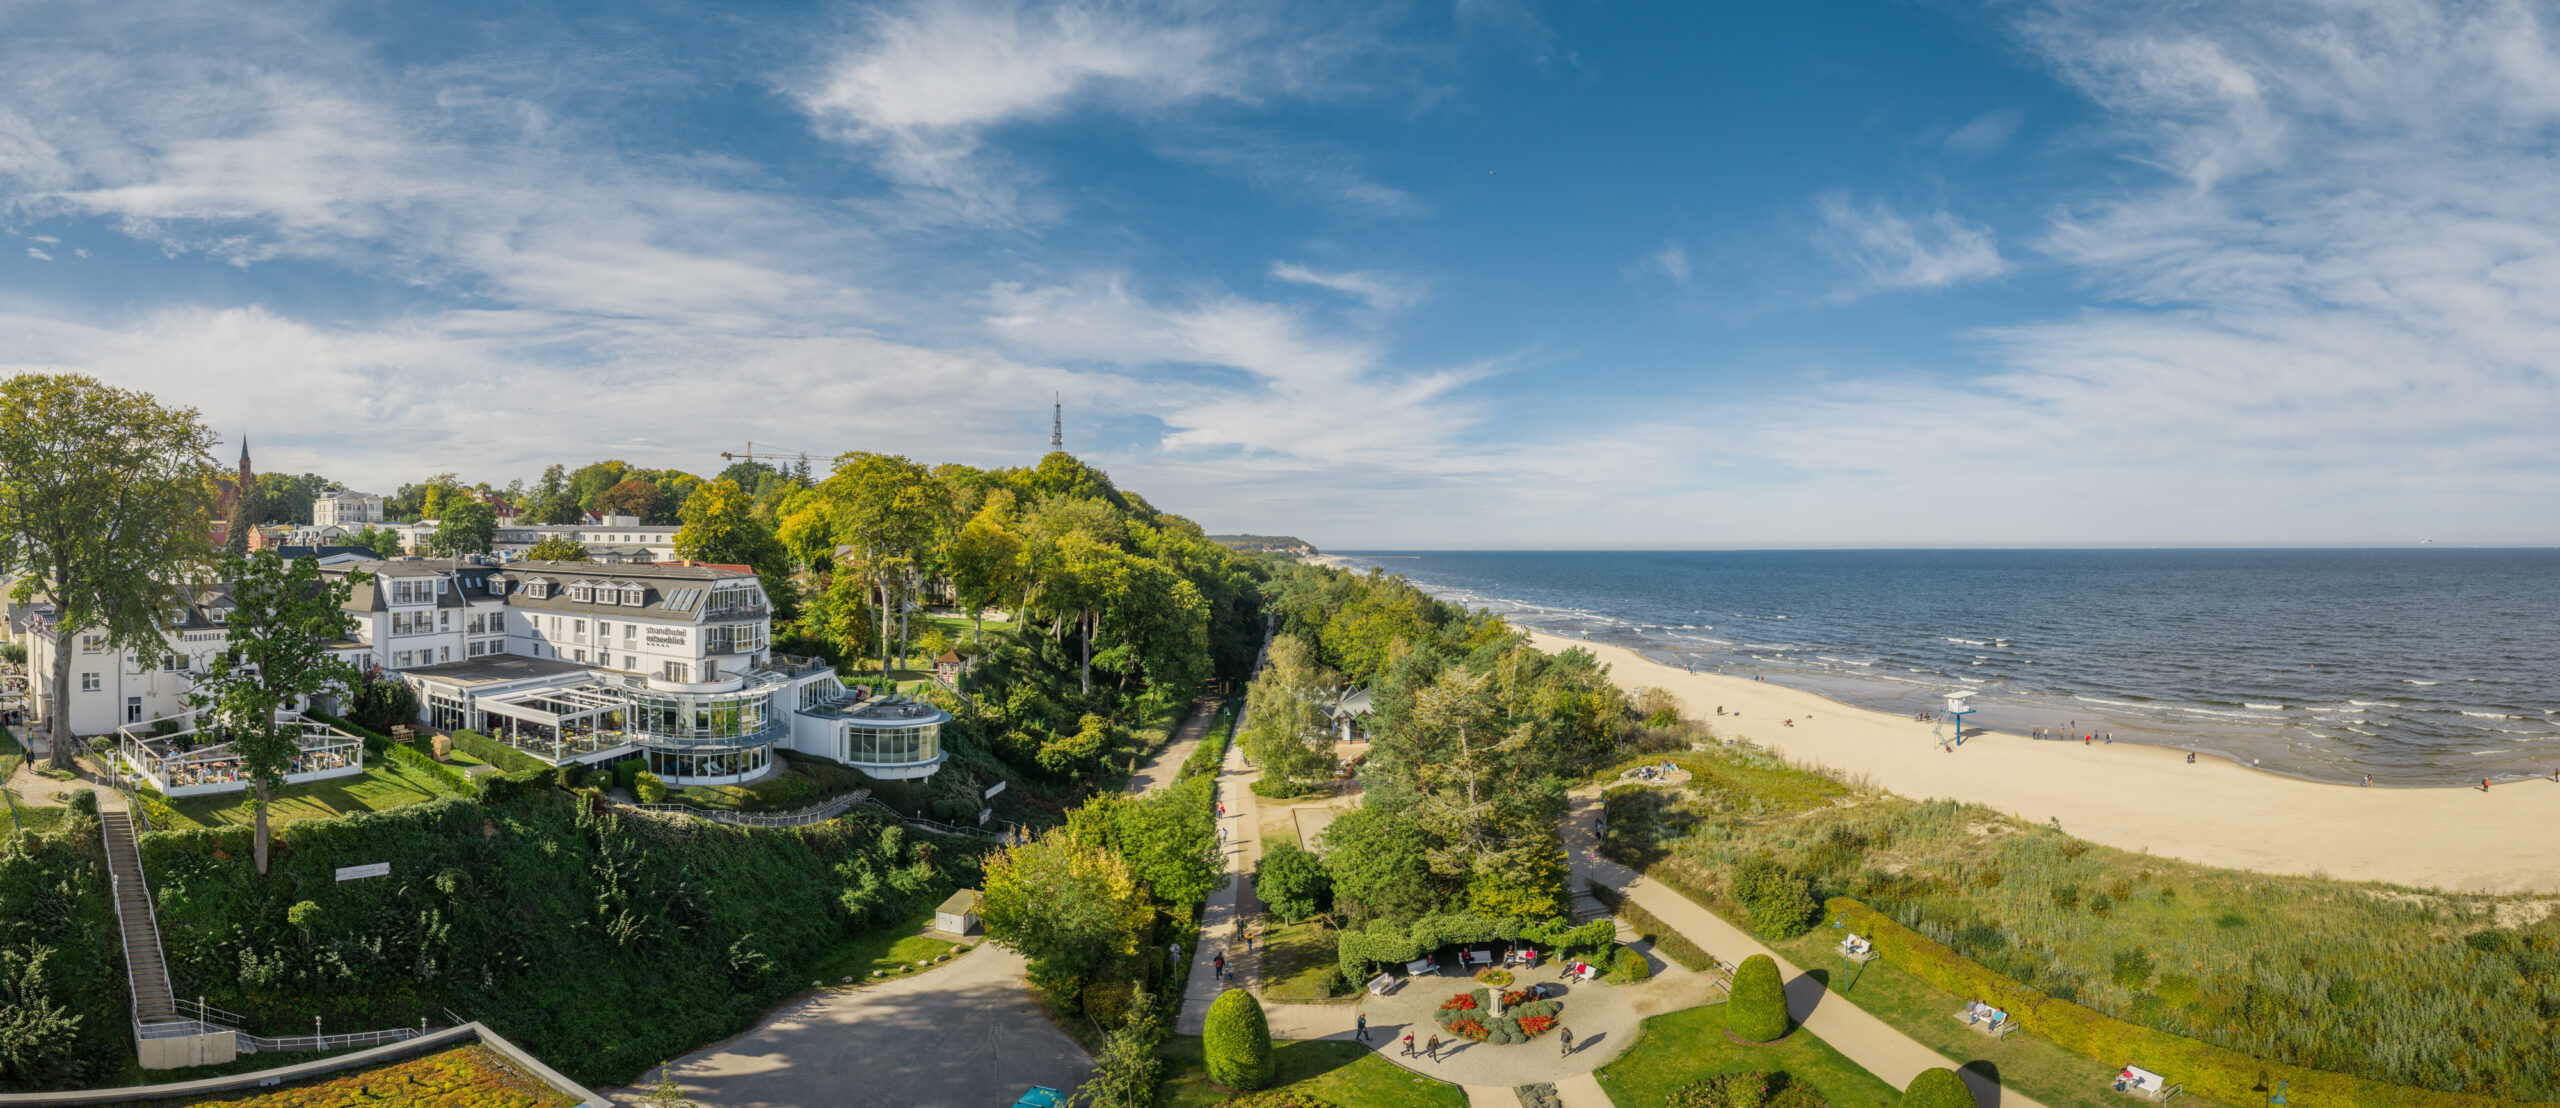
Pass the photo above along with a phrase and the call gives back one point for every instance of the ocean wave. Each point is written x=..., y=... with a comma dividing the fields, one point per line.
x=2362, y=731
x=2263, y=707
x=2415, y=681
x=2369, y=703
x=1968, y=642
x=2111, y=703
x=2489, y=715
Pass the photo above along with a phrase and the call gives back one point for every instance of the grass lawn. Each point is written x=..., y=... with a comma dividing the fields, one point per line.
x=384, y=785
x=1685, y=1046
x=897, y=948
x=1298, y=961
x=41, y=819
x=2031, y=1065
x=1348, y=1074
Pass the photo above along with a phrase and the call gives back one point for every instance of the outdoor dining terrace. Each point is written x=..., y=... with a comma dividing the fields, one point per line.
x=188, y=760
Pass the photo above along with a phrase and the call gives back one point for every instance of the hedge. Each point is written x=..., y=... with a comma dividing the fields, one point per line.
x=1756, y=1010
x=1669, y=943
x=498, y=788
x=2209, y=1071
x=497, y=753
x=1361, y=952
x=410, y=755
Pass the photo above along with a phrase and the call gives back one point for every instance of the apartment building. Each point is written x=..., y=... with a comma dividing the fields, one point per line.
x=344, y=509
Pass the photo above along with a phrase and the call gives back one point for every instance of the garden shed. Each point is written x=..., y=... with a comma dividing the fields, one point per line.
x=959, y=914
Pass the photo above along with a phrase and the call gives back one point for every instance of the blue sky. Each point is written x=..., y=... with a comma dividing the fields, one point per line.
x=1474, y=274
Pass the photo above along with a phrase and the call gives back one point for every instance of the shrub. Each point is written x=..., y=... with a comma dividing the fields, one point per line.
x=1779, y=900
x=1937, y=1088
x=1724, y=1090
x=1292, y=881
x=1629, y=968
x=498, y=788
x=626, y=774
x=1281, y=1098
x=412, y=756
x=648, y=788
x=1236, y=1041
x=1756, y=1012
x=599, y=779
x=565, y=775
x=497, y=753
x=1495, y=978
x=84, y=801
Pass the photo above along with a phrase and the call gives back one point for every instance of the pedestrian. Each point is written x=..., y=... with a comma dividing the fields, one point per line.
x=2484, y=784
x=1408, y=1044
x=1222, y=809
x=1360, y=1028
x=1564, y=1035
x=1219, y=963
x=1431, y=1049
x=1248, y=942
x=2191, y=757
x=2368, y=780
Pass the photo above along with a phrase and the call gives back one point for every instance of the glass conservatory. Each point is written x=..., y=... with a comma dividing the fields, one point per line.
x=177, y=759
x=892, y=738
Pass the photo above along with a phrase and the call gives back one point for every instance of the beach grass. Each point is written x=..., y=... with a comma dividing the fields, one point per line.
x=2415, y=988
x=1682, y=1047
x=1348, y=1074
x=384, y=785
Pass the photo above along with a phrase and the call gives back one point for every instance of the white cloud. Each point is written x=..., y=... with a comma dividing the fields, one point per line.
x=1671, y=262
x=1985, y=134
x=38, y=255
x=1890, y=252
x=1377, y=290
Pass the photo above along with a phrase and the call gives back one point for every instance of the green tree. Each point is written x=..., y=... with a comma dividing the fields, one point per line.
x=984, y=561
x=553, y=503
x=631, y=497
x=284, y=616
x=1170, y=838
x=1938, y=1087
x=1285, y=728
x=1292, y=882
x=843, y=618
x=466, y=527
x=720, y=525
x=891, y=512
x=287, y=497
x=1067, y=906
x=1379, y=860
x=381, y=540
x=105, y=509
x=39, y=1037
x=1235, y=1042
x=557, y=548
x=1756, y=1009
x=247, y=508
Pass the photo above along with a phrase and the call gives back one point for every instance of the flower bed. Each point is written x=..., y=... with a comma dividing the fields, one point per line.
x=1497, y=978
x=464, y=1077
x=1467, y=1016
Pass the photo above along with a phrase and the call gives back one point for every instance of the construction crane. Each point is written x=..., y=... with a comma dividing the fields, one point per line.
x=750, y=454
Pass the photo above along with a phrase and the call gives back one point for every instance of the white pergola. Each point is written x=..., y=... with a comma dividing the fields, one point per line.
x=557, y=722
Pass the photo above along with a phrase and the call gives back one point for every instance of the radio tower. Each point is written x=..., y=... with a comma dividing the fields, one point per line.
x=1057, y=423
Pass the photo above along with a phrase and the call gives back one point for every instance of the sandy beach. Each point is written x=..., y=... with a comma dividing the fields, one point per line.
x=2146, y=797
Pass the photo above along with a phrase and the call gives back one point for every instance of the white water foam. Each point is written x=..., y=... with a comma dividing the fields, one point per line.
x=2415, y=681
x=2263, y=707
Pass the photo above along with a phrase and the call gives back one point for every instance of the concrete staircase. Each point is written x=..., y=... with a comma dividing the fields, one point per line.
x=153, y=1000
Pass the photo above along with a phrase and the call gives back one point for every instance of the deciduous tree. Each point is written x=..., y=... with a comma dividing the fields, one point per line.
x=105, y=508
x=1067, y=906
x=284, y=616
x=466, y=527
x=630, y=498
x=557, y=548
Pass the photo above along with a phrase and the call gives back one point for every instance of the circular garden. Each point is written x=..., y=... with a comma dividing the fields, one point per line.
x=1524, y=1014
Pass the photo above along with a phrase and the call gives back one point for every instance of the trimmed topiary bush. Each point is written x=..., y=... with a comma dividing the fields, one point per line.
x=648, y=788
x=1937, y=1088
x=1236, y=1041
x=1629, y=968
x=626, y=774
x=1757, y=1010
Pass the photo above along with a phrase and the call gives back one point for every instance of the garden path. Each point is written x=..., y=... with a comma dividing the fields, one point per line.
x=1229, y=907
x=1874, y=1045
x=964, y=1035
x=1167, y=764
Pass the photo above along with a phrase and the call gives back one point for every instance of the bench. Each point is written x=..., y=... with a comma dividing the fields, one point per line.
x=1474, y=958
x=1383, y=984
x=1984, y=1026
x=2143, y=1084
x=1861, y=957
x=1423, y=966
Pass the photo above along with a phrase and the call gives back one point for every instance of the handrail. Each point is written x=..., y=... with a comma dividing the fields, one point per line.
x=824, y=810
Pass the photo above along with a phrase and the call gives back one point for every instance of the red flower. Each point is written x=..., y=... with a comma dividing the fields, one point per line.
x=1460, y=1001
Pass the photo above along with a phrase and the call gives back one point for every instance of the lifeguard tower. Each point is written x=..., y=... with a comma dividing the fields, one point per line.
x=1959, y=705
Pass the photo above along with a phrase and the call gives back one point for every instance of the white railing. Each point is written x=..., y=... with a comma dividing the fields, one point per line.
x=252, y=1044
x=151, y=911
x=934, y=825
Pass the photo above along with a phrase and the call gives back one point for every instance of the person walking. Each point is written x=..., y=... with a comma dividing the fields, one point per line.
x=1360, y=1028
x=1564, y=1035
x=1408, y=1044
x=1219, y=963
x=1431, y=1049
x=1248, y=942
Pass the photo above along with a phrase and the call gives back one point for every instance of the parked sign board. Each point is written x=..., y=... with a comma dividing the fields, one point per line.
x=355, y=873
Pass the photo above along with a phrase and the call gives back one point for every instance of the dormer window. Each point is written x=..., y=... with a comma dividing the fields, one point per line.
x=631, y=595
x=537, y=588
x=582, y=591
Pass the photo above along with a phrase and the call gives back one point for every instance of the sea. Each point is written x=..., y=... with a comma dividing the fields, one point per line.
x=2416, y=667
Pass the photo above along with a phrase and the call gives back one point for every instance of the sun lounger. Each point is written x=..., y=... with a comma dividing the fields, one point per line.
x=1383, y=984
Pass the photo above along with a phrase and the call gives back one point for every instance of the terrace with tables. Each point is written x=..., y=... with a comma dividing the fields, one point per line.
x=190, y=761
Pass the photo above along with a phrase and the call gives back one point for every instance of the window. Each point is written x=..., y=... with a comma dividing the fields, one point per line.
x=578, y=627
x=537, y=588
x=133, y=709
x=444, y=620
x=479, y=624
x=632, y=595
x=91, y=644
x=673, y=671
x=604, y=630
x=89, y=682
x=581, y=591
x=497, y=623
x=582, y=655
x=444, y=653
x=630, y=633
x=497, y=586
x=629, y=662
x=404, y=659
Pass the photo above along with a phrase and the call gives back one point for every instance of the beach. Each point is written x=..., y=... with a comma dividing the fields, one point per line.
x=2141, y=797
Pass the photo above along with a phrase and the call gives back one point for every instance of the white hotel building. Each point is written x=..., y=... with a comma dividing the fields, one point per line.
x=571, y=662
x=591, y=662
